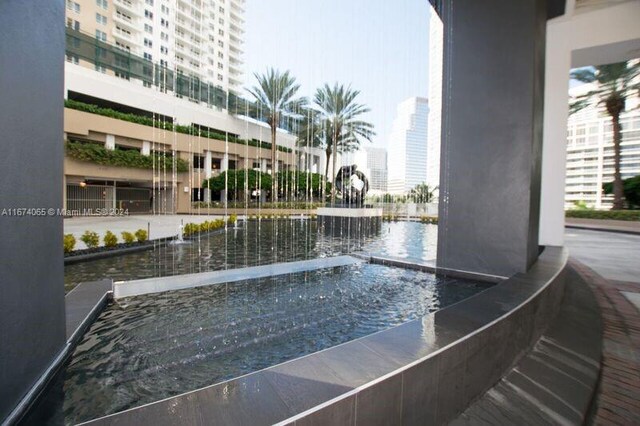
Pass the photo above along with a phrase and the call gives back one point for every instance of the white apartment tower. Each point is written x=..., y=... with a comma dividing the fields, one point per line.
x=408, y=146
x=590, y=152
x=435, y=100
x=373, y=163
x=196, y=38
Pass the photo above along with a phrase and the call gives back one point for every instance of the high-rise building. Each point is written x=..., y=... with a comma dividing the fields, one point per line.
x=590, y=152
x=373, y=163
x=435, y=100
x=196, y=38
x=407, y=146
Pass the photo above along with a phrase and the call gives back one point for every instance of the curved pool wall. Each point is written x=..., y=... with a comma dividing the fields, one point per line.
x=426, y=371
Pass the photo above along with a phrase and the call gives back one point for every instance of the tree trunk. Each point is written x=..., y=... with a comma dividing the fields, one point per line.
x=326, y=170
x=335, y=163
x=274, y=164
x=618, y=192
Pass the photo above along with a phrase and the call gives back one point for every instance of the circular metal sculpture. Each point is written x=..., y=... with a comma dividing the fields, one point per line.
x=352, y=184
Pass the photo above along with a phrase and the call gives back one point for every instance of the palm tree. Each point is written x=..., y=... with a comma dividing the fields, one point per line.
x=422, y=193
x=276, y=98
x=339, y=120
x=613, y=84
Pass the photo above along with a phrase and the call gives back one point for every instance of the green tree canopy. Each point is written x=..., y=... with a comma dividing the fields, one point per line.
x=631, y=188
x=275, y=96
x=422, y=193
x=236, y=181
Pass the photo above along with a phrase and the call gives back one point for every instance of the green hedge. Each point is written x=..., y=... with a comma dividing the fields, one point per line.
x=96, y=153
x=292, y=205
x=147, y=121
x=604, y=214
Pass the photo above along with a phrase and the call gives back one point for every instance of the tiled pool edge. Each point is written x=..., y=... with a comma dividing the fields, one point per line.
x=427, y=370
x=83, y=305
x=181, y=282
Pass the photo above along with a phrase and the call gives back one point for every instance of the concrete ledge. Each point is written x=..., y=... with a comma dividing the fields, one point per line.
x=179, y=282
x=349, y=212
x=426, y=371
x=430, y=266
x=555, y=382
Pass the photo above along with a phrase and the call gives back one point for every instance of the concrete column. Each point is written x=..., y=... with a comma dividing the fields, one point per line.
x=207, y=174
x=492, y=105
x=110, y=142
x=263, y=165
x=554, y=151
x=32, y=311
x=146, y=148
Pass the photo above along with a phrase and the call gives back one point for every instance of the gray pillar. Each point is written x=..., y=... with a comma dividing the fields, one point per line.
x=492, y=105
x=32, y=316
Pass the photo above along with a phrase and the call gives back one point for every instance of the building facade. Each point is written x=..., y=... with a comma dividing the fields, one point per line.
x=435, y=100
x=151, y=106
x=373, y=163
x=590, y=152
x=200, y=39
x=407, y=146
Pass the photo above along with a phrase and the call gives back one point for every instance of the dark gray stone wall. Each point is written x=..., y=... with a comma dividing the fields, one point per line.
x=492, y=105
x=32, y=323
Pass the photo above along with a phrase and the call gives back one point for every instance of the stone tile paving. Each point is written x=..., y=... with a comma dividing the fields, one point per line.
x=618, y=398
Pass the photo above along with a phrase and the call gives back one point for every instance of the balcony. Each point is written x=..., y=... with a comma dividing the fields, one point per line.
x=129, y=6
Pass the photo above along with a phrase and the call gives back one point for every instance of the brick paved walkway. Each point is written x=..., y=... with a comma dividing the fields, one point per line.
x=618, y=398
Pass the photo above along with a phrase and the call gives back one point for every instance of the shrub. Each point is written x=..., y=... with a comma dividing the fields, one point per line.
x=128, y=237
x=69, y=243
x=190, y=229
x=429, y=219
x=141, y=235
x=110, y=239
x=96, y=153
x=90, y=238
x=167, y=125
x=233, y=219
x=604, y=214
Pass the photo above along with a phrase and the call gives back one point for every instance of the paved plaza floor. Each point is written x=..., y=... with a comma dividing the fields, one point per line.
x=159, y=226
x=612, y=262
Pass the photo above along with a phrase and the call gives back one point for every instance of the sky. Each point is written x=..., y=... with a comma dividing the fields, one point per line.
x=377, y=46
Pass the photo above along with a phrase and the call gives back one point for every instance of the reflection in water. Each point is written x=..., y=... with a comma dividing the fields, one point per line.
x=146, y=348
x=257, y=243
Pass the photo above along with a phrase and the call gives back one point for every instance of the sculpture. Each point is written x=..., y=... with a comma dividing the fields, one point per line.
x=352, y=184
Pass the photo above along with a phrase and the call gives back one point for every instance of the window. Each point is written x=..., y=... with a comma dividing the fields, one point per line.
x=164, y=50
x=221, y=21
x=148, y=14
x=220, y=77
x=101, y=35
x=73, y=59
x=221, y=32
x=198, y=162
x=149, y=2
x=220, y=55
x=148, y=56
x=73, y=6
x=197, y=194
x=148, y=43
x=163, y=63
x=102, y=4
x=164, y=22
x=72, y=23
x=220, y=66
x=101, y=19
x=165, y=9
x=221, y=9
x=148, y=28
x=101, y=68
x=122, y=46
x=220, y=43
x=164, y=36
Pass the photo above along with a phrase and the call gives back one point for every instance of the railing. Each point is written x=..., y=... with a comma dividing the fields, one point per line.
x=110, y=57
